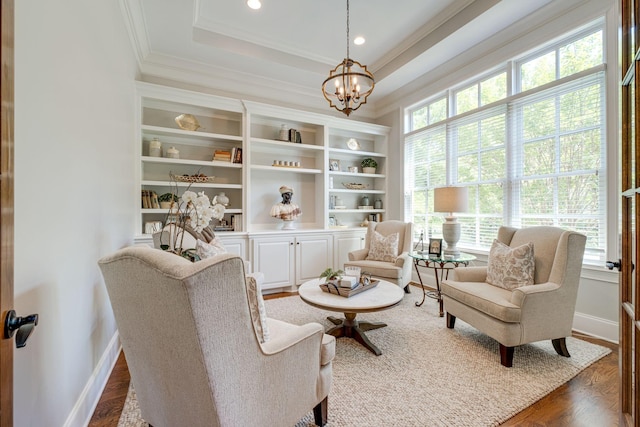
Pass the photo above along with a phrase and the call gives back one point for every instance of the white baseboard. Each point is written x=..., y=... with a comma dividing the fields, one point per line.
x=596, y=327
x=85, y=406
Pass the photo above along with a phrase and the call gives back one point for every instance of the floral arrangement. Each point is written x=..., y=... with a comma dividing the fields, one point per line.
x=192, y=210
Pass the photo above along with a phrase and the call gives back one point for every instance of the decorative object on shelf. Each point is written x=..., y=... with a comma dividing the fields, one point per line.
x=201, y=178
x=369, y=165
x=167, y=199
x=172, y=153
x=285, y=210
x=353, y=169
x=151, y=227
x=353, y=144
x=350, y=80
x=355, y=186
x=435, y=247
x=187, y=122
x=364, y=201
x=377, y=204
x=223, y=199
x=193, y=211
x=330, y=182
x=286, y=164
x=334, y=165
x=155, y=148
x=283, y=134
x=450, y=199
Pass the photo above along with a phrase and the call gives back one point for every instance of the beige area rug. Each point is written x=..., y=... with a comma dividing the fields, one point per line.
x=427, y=375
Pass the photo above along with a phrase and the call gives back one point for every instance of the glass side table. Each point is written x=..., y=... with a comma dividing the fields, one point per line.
x=443, y=264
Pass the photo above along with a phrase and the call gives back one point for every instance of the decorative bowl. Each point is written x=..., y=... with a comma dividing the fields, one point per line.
x=187, y=122
x=355, y=186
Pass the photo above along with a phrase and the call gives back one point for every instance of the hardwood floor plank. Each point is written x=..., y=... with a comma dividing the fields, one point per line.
x=589, y=399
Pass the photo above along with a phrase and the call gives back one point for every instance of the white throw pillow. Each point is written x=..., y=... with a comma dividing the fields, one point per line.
x=211, y=249
x=510, y=268
x=383, y=248
x=257, y=310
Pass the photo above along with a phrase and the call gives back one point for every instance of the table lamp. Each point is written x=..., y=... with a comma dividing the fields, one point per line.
x=450, y=199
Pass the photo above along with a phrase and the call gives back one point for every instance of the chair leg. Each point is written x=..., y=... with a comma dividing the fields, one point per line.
x=451, y=321
x=506, y=356
x=407, y=289
x=320, y=412
x=560, y=346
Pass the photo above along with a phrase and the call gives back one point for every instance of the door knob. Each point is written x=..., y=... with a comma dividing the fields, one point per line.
x=617, y=264
x=614, y=264
x=24, y=326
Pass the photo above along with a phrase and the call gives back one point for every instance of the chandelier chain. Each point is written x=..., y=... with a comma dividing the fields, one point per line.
x=347, y=29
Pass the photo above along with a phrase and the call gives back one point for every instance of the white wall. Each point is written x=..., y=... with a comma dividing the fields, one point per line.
x=74, y=92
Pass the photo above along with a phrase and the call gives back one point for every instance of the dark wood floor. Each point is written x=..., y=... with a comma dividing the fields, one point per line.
x=589, y=399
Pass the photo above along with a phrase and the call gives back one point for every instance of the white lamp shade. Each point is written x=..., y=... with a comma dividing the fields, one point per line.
x=450, y=199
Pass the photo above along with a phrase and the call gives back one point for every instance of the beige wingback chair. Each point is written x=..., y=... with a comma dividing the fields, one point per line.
x=526, y=314
x=398, y=270
x=193, y=350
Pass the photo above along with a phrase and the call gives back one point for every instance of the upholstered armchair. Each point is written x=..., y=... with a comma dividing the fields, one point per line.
x=386, y=252
x=513, y=308
x=200, y=353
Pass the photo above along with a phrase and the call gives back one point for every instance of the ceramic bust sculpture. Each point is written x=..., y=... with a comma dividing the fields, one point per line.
x=285, y=210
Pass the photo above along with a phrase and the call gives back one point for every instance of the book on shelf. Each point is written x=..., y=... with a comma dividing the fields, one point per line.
x=236, y=155
x=149, y=200
x=236, y=222
x=222, y=155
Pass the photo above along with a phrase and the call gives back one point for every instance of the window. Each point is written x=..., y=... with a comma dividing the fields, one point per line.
x=533, y=157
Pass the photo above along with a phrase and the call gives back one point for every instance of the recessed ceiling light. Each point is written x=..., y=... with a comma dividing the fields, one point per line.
x=254, y=4
x=359, y=40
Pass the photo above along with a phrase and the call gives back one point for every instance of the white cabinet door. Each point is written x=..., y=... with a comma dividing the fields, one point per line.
x=313, y=256
x=234, y=245
x=273, y=256
x=345, y=243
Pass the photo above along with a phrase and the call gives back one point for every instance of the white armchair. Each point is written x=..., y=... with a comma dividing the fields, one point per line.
x=525, y=314
x=195, y=351
x=397, y=267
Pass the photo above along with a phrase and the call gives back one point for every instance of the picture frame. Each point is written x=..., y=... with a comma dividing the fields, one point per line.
x=334, y=165
x=435, y=247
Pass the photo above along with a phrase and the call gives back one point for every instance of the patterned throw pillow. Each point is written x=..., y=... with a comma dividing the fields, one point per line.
x=510, y=268
x=257, y=310
x=211, y=249
x=383, y=248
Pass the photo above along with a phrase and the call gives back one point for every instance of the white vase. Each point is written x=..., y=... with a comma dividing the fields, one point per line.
x=222, y=199
x=368, y=170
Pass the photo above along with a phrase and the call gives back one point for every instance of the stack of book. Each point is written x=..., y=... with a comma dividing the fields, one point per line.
x=150, y=200
x=222, y=155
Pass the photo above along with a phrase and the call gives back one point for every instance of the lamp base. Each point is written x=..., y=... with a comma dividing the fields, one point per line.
x=451, y=235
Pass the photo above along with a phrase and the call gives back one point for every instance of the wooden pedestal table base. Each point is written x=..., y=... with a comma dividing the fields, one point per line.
x=351, y=328
x=381, y=297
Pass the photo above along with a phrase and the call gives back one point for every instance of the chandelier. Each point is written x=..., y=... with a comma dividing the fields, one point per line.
x=349, y=83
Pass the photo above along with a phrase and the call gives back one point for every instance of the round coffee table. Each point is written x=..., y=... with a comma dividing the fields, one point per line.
x=385, y=295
